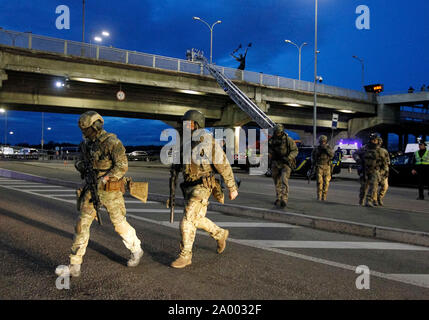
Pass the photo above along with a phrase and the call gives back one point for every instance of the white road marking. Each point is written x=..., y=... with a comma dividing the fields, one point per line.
x=138, y=201
x=50, y=190
x=363, y=245
x=162, y=211
x=394, y=277
x=35, y=185
x=422, y=279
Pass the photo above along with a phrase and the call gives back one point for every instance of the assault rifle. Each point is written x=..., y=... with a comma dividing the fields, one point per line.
x=90, y=174
x=171, y=202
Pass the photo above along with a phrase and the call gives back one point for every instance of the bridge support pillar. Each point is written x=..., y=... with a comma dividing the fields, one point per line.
x=3, y=77
x=232, y=116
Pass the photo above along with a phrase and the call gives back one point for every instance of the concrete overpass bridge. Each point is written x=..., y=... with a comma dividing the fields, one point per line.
x=164, y=88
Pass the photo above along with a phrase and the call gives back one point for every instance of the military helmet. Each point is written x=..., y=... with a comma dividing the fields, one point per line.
x=88, y=118
x=196, y=116
x=373, y=136
x=323, y=138
x=380, y=140
x=279, y=128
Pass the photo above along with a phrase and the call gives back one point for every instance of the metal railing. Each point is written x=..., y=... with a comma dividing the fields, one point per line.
x=28, y=40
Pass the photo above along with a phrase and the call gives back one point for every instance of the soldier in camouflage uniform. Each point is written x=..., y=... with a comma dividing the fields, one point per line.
x=383, y=173
x=372, y=162
x=111, y=164
x=207, y=159
x=282, y=152
x=321, y=159
x=358, y=157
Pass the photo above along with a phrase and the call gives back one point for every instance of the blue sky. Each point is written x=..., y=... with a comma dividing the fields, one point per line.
x=395, y=49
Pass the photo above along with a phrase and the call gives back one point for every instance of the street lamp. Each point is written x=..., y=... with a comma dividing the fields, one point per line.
x=315, y=77
x=299, y=50
x=2, y=110
x=211, y=34
x=363, y=70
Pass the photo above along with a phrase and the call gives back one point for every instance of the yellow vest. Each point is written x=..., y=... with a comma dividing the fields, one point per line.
x=422, y=160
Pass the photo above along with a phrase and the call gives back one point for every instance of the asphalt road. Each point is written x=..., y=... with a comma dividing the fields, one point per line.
x=263, y=260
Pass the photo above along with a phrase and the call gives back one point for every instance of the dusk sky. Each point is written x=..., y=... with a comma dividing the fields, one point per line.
x=395, y=48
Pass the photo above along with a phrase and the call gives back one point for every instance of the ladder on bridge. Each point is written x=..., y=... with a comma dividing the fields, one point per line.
x=238, y=96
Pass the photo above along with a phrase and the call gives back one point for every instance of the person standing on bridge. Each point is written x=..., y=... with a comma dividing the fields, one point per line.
x=421, y=168
x=383, y=181
x=321, y=159
x=282, y=151
x=207, y=158
x=110, y=163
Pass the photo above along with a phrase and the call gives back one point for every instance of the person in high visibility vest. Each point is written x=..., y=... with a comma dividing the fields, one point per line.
x=421, y=168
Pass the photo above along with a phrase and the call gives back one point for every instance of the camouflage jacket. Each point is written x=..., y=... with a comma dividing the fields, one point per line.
x=207, y=158
x=322, y=155
x=372, y=158
x=282, y=150
x=384, y=160
x=108, y=154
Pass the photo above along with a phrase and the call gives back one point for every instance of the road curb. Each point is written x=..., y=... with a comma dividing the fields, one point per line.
x=320, y=223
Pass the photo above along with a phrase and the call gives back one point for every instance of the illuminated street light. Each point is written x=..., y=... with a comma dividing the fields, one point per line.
x=299, y=50
x=211, y=34
x=98, y=39
x=105, y=34
x=363, y=70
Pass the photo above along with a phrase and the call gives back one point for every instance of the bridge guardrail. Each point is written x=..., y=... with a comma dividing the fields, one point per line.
x=28, y=40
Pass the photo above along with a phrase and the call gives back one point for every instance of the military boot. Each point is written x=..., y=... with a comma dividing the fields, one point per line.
x=135, y=258
x=277, y=203
x=221, y=243
x=361, y=202
x=283, y=203
x=182, y=261
x=380, y=202
x=369, y=204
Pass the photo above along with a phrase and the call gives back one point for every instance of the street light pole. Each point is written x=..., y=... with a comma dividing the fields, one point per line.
x=2, y=110
x=315, y=78
x=211, y=34
x=363, y=71
x=83, y=21
x=299, y=59
x=43, y=125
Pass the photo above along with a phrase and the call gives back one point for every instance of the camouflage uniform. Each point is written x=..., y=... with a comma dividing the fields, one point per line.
x=358, y=156
x=198, y=185
x=372, y=161
x=110, y=159
x=282, y=151
x=383, y=174
x=321, y=159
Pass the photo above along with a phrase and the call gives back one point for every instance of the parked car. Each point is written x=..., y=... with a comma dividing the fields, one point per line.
x=400, y=172
x=138, y=156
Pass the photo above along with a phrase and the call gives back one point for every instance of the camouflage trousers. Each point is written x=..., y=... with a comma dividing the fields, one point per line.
x=371, y=186
x=114, y=203
x=323, y=175
x=383, y=184
x=196, y=202
x=281, y=177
